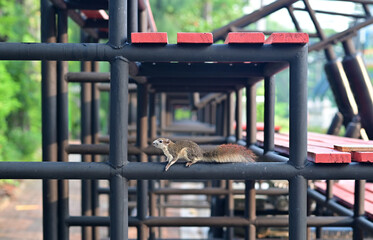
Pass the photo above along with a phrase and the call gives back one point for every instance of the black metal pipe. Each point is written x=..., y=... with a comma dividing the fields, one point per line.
x=359, y=210
x=297, y=208
x=250, y=114
x=298, y=109
x=141, y=141
x=238, y=114
x=118, y=144
x=62, y=128
x=133, y=170
x=269, y=114
x=49, y=122
x=145, y=53
x=119, y=72
x=86, y=138
x=213, y=221
x=250, y=209
x=87, y=76
x=132, y=18
x=95, y=118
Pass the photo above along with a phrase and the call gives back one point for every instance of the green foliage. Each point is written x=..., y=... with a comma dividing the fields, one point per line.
x=174, y=16
x=20, y=118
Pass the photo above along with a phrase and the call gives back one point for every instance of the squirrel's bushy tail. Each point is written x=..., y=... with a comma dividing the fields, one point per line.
x=229, y=153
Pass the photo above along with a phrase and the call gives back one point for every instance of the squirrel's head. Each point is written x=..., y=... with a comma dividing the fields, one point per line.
x=161, y=143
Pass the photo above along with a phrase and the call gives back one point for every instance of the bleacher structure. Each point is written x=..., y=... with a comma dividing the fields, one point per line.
x=148, y=79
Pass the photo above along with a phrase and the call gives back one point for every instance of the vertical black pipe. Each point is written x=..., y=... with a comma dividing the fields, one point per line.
x=229, y=207
x=132, y=17
x=152, y=117
x=118, y=148
x=250, y=193
x=49, y=121
x=95, y=132
x=298, y=110
x=298, y=145
x=269, y=114
x=250, y=114
x=62, y=129
x=141, y=141
x=359, y=209
x=162, y=115
x=230, y=114
x=297, y=208
x=86, y=138
x=238, y=115
x=143, y=20
x=250, y=209
x=152, y=136
x=119, y=72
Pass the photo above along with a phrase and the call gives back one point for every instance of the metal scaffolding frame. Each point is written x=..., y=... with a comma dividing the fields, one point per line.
x=265, y=61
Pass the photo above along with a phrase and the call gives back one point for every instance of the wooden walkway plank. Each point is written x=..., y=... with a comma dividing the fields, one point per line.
x=199, y=38
x=315, y=153
x=149, y=37
x=344, y=192
x=245, y=38
x=287, y=38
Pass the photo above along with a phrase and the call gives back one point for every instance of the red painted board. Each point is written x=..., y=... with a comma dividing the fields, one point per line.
x=245, y=37
x=349, y=185
x=205, y=38
x=362, y=156
x=346, y=197
x=336, y=139
x=325, y=155
x=149, y=37
x=96, y=14
x=354, y=147
x=282, y=38
x=316, y=154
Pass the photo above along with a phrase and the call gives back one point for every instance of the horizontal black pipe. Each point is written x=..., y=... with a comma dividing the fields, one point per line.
x=150, y=52
x=199, y=140
x=240, y=221
x=199, y=171
x=104, y=149
x=217, y=191
x=87, y=77
x=278, y=221
x=55, y=170
x=87, y=221
x=248, y=171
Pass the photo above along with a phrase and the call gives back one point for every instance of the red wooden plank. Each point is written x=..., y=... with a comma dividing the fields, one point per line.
x=336, y=139
x=362, y=156
x=354, y=147
x=245, y=37
x=96, y=14
x=349, y=185
x=316, y=154
x=293, y=38
x=346, y=196
x=205, y=38
x=149, y=37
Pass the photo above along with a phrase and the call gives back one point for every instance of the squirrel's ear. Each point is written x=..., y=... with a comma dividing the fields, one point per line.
x=167, y=141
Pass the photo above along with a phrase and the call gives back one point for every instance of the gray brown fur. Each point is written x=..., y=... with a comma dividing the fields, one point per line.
x=192, y=153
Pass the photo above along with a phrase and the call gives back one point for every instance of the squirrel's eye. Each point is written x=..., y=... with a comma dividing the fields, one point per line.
x=160, y=141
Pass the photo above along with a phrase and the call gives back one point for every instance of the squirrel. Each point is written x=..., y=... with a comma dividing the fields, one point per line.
x=191, y=152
